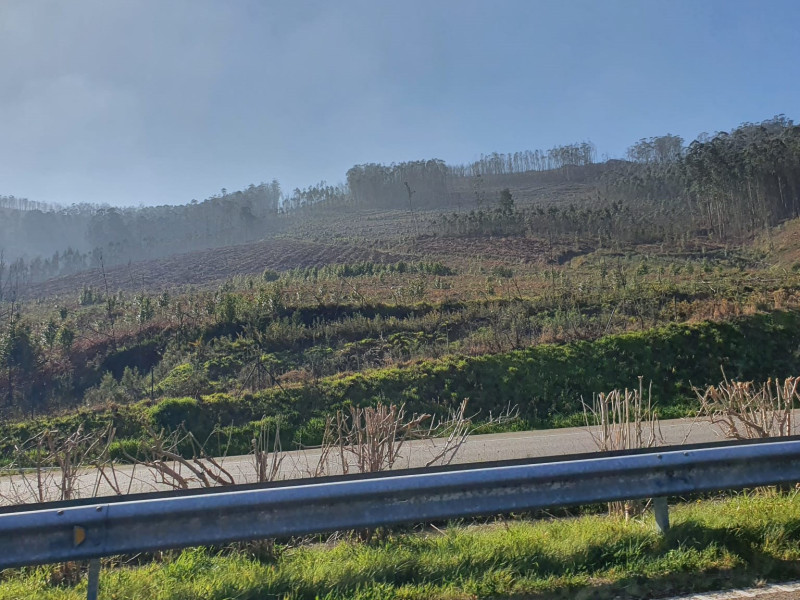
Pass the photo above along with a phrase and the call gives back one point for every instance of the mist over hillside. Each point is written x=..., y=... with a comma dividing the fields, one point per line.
x=724, y=186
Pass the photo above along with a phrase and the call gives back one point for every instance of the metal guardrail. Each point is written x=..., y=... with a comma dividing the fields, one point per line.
x=65, y=532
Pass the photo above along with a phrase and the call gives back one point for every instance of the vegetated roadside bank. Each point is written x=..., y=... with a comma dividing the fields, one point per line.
x=736, y=541
x=546, y=382
x=297, y=327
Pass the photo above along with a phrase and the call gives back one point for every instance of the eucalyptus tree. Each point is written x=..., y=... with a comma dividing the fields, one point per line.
x=387, y=186
x=746, y=179
x=660, y=149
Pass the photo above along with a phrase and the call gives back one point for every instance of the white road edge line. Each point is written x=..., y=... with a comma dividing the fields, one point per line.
x=774, y=588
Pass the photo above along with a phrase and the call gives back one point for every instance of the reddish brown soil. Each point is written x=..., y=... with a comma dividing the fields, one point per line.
x=507, y=250
x=784, y=243
x=210, y=266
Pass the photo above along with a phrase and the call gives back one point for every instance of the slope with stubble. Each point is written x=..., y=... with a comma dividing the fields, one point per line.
x=209, y=267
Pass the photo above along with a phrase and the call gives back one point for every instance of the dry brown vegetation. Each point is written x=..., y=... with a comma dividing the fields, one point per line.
x=624, y=420
x=53, y=466
x=745, y=410
x=371, y=439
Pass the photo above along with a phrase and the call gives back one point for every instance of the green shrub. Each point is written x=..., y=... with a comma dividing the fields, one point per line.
x=549, y=380
x=310, y=433
x=270, y=275
x=235, y=440
x=121, y=449
x=546, y=382
x=185, y=380
x=171, y=413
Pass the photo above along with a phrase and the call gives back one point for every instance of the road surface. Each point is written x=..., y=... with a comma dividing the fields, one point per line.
x=47, y=485
x=30, y=486
x=777, y=591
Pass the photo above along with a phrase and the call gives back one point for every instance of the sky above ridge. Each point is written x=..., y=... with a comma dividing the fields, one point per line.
x=153, y=102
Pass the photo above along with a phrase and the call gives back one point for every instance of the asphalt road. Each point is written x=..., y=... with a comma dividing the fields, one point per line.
x=46, y=486
x=779, y=591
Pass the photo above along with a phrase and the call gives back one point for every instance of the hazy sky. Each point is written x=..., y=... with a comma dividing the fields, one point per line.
x=150, y=102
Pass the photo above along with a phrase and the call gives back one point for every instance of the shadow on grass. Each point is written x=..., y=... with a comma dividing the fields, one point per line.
x=624, y=559
x=757, y=566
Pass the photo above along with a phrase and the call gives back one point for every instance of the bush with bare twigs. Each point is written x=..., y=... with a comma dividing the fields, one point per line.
x=267, y=464
x=47, y=467
x=623, y=420
x=161, y=455
x=371, y=439
x=745, y=410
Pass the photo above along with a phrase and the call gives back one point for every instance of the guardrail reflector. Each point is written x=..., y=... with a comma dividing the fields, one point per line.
x=78, y=535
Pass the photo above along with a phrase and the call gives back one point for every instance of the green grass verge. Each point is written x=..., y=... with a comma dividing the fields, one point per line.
x=712, y=544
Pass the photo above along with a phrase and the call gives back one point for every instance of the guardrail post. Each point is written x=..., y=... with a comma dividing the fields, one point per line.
x=94, y=579
x=662, y=513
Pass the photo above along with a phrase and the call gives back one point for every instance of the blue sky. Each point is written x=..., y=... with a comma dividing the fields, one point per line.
x=152, y=102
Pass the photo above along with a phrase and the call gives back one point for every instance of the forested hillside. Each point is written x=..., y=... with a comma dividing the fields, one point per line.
x=39, y=244
x=526, y=277
x=722, y=187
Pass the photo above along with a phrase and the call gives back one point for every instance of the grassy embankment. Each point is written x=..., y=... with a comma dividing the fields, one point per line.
x=547, y=382
x=713, y=544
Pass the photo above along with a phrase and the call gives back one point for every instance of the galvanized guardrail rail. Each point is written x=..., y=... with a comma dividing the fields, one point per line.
x=94, y=528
